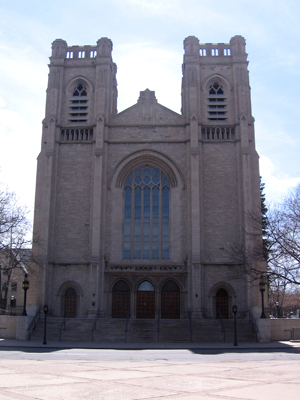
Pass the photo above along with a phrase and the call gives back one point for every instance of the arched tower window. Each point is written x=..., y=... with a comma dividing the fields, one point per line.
x=146, y=214
x=79, y=103
x=217, y=102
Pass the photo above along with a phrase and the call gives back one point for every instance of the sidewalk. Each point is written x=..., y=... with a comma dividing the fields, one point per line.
x=290, y=345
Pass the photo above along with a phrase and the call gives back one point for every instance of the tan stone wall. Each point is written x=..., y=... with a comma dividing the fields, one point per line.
x=220, y=200
x=73, y=203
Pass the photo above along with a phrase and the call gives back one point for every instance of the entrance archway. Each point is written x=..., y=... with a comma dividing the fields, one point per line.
x=120, y=300
x=170, y=301
x=70, y=303
x=145, y=301
x=222, y=303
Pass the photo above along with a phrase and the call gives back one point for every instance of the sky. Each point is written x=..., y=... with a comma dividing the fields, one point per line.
x=147, y=40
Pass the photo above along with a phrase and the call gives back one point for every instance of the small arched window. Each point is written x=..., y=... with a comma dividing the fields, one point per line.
x=146, y=214
x=79, y=103
x=217, y=102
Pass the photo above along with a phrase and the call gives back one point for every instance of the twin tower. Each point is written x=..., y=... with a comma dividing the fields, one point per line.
x=136, y=211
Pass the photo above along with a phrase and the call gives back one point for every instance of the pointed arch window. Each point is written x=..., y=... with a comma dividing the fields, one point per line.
x=217, y=102
x=146, y=214
x=79, y=103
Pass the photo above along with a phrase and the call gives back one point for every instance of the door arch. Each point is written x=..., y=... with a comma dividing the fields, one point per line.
x=70, y=308
x=145, y=307
x=120, y=300
x=170, y=300
x=222, y=303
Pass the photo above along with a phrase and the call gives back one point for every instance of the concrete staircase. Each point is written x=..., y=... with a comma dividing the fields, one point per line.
x=244, y=329
x=143, y=330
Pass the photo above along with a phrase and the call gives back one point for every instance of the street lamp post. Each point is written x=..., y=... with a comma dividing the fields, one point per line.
x=234, y=310
x=277, y=307
x=25, y=287
x=12, y=304
x=262, y=285
x=45, y=309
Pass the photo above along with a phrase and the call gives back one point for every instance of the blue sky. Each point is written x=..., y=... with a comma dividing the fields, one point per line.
x=148, y=49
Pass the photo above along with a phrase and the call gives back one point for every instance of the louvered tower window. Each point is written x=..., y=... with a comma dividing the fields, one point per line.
x=217, y=105
x=79, y=104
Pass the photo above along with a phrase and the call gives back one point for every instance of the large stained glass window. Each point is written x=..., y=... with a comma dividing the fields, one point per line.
x=146, y=214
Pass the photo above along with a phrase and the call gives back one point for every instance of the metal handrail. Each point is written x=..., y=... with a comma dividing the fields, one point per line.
x=254, y=325
x=63, y=325
x=158, y=328
x=126, y=325
x=190, y=324
x=33, y=322
x=222, y=325
x=94, y=328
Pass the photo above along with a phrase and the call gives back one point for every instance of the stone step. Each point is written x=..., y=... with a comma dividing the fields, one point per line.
x=143, y=330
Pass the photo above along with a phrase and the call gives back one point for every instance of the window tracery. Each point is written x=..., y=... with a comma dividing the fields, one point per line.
x=79, y=104
x=216, y=102
x=146, y=214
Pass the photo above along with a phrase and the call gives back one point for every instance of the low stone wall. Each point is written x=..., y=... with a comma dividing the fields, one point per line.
x=281, y=328
x=8, y=326
x=13, y=327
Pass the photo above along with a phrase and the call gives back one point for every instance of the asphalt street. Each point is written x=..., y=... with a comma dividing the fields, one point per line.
x=70, y=372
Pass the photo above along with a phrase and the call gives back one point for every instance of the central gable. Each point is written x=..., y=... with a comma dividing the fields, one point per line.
x=147, y=111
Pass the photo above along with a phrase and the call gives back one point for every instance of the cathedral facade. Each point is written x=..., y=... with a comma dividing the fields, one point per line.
x=135, y=211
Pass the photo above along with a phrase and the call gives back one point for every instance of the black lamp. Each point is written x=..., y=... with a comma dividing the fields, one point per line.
x=25, y=287
x=262, y=285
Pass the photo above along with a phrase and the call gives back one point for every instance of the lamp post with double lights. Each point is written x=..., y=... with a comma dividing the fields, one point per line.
x=262, y=289
x=25, y=287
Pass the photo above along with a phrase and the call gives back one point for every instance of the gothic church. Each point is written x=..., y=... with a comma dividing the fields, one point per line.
x=136, y=210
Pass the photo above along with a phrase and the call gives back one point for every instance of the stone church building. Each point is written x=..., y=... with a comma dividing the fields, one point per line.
x=135, y=211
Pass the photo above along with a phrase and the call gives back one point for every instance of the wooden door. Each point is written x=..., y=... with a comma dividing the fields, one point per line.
x=170, y=301
x=120, y=304
x=222, y=303
x=70, y=303
x=145, y=304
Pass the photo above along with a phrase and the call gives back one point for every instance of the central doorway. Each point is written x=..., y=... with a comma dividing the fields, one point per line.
x=145, y=301
x=222, y=303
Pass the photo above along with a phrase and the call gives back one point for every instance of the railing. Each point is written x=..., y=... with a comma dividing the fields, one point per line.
x=63, y=325
x=254, y=325
x=94, y=328
x=76, y=52
x=223, y=326
x=126, y=325
x=190, y=324
x=158, y=328
x=33, y=322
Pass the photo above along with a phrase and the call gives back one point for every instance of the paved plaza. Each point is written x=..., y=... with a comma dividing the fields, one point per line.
x=61, y=371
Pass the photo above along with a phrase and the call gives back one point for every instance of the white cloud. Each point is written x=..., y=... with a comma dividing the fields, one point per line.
x=2, y=102
x=277, y=183
x=148, y=65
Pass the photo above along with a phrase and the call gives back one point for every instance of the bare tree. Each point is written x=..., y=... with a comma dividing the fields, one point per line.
x=15, y=245
x=284, y=239
x=273, y=237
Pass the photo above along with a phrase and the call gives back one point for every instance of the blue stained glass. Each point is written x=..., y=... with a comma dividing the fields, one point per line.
x=147, y=180
x=127, y=202
x=165, y=201
x=138, y=180
x=147, y=235
x=137, y=222
x=156, y=179
x=146, y=286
